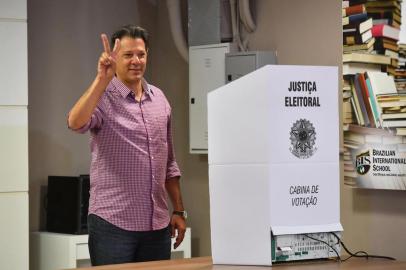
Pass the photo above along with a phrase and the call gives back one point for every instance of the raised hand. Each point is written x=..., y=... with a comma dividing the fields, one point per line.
x=106, y=67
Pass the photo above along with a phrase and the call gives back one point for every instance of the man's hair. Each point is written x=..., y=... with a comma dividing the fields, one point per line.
x=132, y=31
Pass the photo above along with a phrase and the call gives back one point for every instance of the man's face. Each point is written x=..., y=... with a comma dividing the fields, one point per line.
x=131, y=60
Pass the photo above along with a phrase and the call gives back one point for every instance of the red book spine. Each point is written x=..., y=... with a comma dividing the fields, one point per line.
x=354, y=9
x=377, y=30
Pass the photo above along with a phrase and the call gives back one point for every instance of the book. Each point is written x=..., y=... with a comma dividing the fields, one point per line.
x=368, y=46
x=392, y=104
x=347, y=107
x=390, y=109
x=392, y=3
x=357, y=107
x=387, y=116
x=354, y=18
x=351, y=68
x=388, y=69
x=384, y=43
x=347, y=94
x=394, y=10
x=346, y=84
x=351, y=10
x=358, y=93
x=354, y=137
x=351, y=36
x=376, y=110
x=394, y=123
x=385, y=15
x=390, y=22
x=393, y=96
x=394, y=62
x=390, y=53
x=365, y=97
x=351, y=174
x=356, y=112
x=384, y=30
x=382, y=84
x=401, y=131
x=361, y=26
x=366, y=58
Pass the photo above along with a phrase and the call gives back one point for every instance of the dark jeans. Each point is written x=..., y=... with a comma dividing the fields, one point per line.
x=109, y=244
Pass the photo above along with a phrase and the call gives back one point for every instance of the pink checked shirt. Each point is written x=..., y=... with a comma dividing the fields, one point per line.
x=132, y=157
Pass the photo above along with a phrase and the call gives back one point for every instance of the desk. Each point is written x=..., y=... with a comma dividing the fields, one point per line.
x=205, y=263
x=51, y=251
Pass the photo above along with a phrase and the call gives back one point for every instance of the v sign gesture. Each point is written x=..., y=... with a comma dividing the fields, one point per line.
x=106, y=67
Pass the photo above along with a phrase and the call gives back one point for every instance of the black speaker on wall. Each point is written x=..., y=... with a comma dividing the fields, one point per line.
x=67, y=204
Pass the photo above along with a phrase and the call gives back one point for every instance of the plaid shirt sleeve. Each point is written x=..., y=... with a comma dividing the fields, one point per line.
x=172, y=168
x=95, y=122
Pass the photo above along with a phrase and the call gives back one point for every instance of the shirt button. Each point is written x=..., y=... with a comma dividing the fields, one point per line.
x=150, y=138
x=152, y=157
x=153, y=177
x=146, y=121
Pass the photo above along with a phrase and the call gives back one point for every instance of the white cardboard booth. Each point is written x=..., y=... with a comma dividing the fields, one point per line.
x=273, y=160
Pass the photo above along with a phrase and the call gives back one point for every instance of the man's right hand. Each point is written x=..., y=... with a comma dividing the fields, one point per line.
x=106, y=67
x=82, y=111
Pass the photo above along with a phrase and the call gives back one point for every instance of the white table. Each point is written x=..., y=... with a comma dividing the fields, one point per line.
x=51, y=251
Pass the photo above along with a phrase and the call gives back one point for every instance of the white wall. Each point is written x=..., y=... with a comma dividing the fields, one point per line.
x=13, y=135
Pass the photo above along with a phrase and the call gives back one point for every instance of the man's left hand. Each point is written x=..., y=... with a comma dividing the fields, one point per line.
x=178, y=225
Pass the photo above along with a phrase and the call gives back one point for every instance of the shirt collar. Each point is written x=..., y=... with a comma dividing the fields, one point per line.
x=124, y=90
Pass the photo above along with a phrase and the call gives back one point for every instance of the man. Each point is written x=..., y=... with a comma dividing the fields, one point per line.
x=133, y=165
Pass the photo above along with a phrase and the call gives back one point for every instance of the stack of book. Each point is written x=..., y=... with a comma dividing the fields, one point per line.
x=386, y=15
x=348, y=112
x=357, y=34
x=370, y=35
x=400, y=75
x=369, y=98
x=393, y=111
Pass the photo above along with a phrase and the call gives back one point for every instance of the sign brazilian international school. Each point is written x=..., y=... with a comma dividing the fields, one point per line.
x=381, y=163
x=274, y=154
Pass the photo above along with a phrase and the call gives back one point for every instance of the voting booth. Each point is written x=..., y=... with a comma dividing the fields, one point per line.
x=273, y=138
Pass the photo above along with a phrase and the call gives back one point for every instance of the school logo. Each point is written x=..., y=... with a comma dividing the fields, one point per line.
x=363, y=163
x=303, y=139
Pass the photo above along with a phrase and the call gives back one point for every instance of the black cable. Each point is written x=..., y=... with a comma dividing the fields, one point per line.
x=366, y=255
x=356, y=253
x=324, y=242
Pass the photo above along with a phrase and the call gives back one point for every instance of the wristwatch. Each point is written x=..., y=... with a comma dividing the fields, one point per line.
x=180, y=213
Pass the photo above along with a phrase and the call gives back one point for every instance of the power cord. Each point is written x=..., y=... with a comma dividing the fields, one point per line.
x=357, y=254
